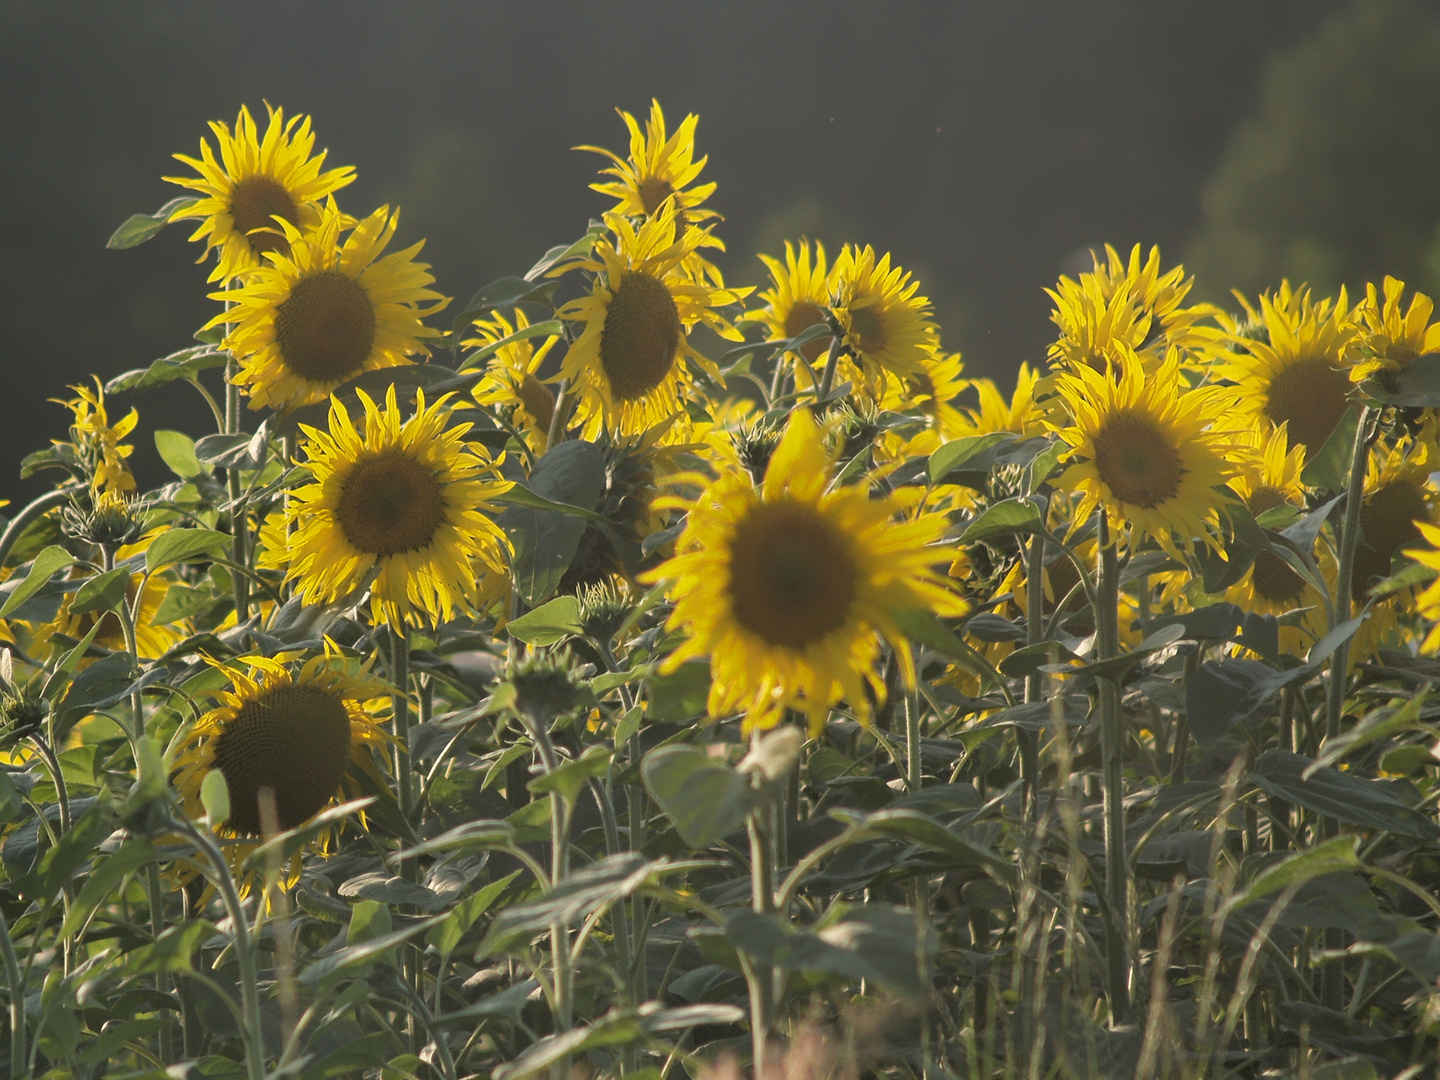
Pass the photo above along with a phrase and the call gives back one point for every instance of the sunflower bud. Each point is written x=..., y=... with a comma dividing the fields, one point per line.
x=111, y=521
x=603, y=608
x=547, y=687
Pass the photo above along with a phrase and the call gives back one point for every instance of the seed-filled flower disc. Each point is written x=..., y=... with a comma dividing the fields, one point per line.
x=786, y=585
x=405, y=500
x=288, y=742
x=1144, y=448
x=658, y=169
x=257, y=182
x=309, y=320
x=1299, y=374
x=631, y=364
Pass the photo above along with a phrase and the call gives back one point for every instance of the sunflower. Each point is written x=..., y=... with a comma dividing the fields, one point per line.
x=658, y=169
x=294, y=740
x=324, y=311
x=1295, y=370
x=798, y=299
x=1398, y=498
x=512, y=379
x=1128, y=302
x=888, y=327
x=404, y=502
x=1392, y=338
x=1143, y=448
x=151, y=638
x=1019, y=415
x=932, y=392
x=629, y=365
x=1428, y=601
x=96, y=442
x=257, y=182
x=1271, y=478
x=785, y=586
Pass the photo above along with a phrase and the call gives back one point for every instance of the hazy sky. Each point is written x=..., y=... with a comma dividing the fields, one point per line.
x=983, y=143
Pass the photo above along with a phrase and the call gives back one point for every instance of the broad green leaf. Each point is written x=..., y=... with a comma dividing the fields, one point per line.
x=102, y=592
x=43, y=567
x=1329, y=857
x=1354, y=800
x=549, y=624
x=181, y=545
x=679, y=695
x=705, y=799
x=1010, y=516
x=545, y=541
x=138, y=228
x=570, y=776
x=1329, y=468
x=953, y=455
x=103, y=881
x=447, y=935
x=1376, y=724
x=1223, y=693
x=178, y=451
x=185, y=364
x=1416, y=385
x=171, y=951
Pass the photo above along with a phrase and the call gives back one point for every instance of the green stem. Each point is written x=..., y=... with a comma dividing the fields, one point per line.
x=156, y=896
x=239, y=533
x=760, y=977
x=912, y=739
x=1035, y=682
x=400, y=709
x=827, y=382
x=16, y=988
x=557, y=418
x=21, y=521
x=1112, y=747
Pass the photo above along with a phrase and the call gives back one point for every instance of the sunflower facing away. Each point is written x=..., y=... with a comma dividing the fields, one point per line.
x=256, y=180
x=631, y=363
x=1143, y=448
x=314, y=317
x=785, y=586
x=512, y=377
x=398, y=505
x=291, y=739
x=888, y=327
x=1297, y=370
x=1019, y=415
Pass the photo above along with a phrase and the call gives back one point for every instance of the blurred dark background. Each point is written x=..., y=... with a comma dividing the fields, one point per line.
x=986, y=145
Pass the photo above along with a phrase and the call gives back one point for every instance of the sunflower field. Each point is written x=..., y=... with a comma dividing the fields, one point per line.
x=627, y=674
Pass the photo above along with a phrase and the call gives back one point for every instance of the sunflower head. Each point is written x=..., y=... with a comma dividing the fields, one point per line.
x=1393, y=336
x=798, y=298
x=96, y=443
x=1297, y=372
x=784, y=585
x=311, y=319
x=545, y=687
x=286, y=741
x=257, y=184
x=1019, y=415
x=888, y=326
x=632, y=365
x=398, y=505
x=660, y=169
x=109, y=521
x=512, y=378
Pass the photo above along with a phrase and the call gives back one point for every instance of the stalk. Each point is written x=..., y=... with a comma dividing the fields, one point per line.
x=400, y=709
x=240, y=537
x=1035, y=682
x=761, y=977
x=827, y=380
x=1112, y=749
x=912, y=739
x=16, y=986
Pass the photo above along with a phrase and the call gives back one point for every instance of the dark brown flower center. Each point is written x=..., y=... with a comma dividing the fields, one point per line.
x=390, y=503
x=793, y=577
x=803, y=315
x=1312, y=396
x=539, y=402
x=654, y=190
x=1272, y=577
x=1137, y=461
x=641, y=336
x=326, y=328
x=293, y=741
x=1387, y=524
x=254, y=204
x=868, y=326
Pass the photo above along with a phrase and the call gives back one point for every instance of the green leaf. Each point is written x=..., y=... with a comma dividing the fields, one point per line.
x=103, y=881
x=178, y=451
x=286, y=845
x=570, y=776
x=560, y=252
x=545, y=541
x=181, y=545
x=921, y=829
x=357, y=1057
x=1223, y=693
x=1329, y=469
x=1010, y=516
x=102, y=684
x=53, y=558
x=1330, y=857
x=171, y=951
x=447, y=935
x=1416, y=385
x=138, y=228
x=61, y=863
x=679, y=695
x=880, y=946
x=102, y=592
x=1117, y=667
x=1370, y=804
x=953, y=455
x=185, y=364
x=1375, y=725
x=215, y=797
x=922, y=627
x=548, y=624
x=705, y=798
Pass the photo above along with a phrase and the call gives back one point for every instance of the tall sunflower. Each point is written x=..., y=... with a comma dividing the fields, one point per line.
x=325, y=311
x=257, y=180
x=1144, y=449
x=799, y=298
x=1125, y=301
x=659, y=168
x=786, y=586
x=1392, y=337
x=400, y=506
x=293, y=739
x=1271, y=587
x=512, y=378
x=631, y=365
x=1295, y=369
x=888, y=326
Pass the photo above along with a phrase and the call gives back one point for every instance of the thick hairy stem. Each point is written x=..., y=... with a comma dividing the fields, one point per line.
x=1035, y=682
x=832, y=361
x=400, y=707
x=762, y=897
x=16, y=987
x=1112, y=749
x=239, y=531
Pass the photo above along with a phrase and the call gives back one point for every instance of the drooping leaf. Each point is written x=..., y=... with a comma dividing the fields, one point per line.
x=545, y=541
x=1354, y=800
x=549, y=624
x=138, y=228
x=704, y=798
